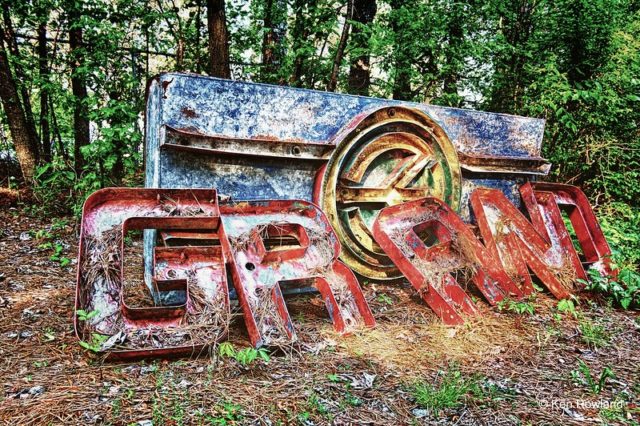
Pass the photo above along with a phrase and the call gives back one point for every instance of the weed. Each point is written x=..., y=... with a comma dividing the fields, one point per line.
x=116, y=407
x=228, y=414
x=316, y=405
x=49, y=242
x=178, y=403
x=157, y=410
x=48, y=335
x=593, y=334
x=352, y=400
x=567, y=306
x=451, y=392
x=625, y=291
x=95, y=343
x=519, y=307
x=616, y=411
x=333, y=378
x=304, y=417
x=247, y=356
x=383, y=298
x=84, y=315
x=244, y=356
x=582, y=376
x=226, y=349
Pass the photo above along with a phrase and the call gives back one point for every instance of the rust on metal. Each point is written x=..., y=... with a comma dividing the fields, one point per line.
x=176, y=322
x=351, y=155
x=511, y=246
x=453, y=254
x=273, y=243
x=386, y=158
x=571, y=200
x=265, y=245
x=542, y=245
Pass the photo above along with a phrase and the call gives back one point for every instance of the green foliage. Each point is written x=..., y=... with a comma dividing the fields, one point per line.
x=520, y=307
x=452, y=391
x=620, y=223
x=316, y=405
x=95, y=343
x=246, y=356
x=85, y=316
x=226, y=349
x=593, y=334
x=567, y=306
x=624, y=291
x=582, y=376
x=384, y=298
x=226, y=414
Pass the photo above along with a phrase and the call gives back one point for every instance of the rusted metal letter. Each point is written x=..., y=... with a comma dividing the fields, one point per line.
x=272, y=243
x=404, y=231
x=542, y=245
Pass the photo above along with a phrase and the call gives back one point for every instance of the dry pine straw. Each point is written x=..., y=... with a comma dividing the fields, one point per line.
x=532, y=354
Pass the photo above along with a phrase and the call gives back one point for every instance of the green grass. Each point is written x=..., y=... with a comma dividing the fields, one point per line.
x=452, y=391
x=593, y=334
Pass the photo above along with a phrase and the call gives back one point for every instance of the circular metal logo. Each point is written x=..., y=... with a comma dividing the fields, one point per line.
x=394, y=155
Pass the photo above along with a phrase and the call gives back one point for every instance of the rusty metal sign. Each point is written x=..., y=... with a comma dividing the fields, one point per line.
x=351, y=155
x=391, y=156
x=453, y=255
x=187, y=283
x=316, y=186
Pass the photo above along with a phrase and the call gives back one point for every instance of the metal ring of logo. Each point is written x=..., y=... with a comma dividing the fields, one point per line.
x=394, y=155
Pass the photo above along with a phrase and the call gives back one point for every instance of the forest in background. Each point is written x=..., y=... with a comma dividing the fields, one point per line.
x=73, y=76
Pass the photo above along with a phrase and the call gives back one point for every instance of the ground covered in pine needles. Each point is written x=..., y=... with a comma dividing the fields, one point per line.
x=549, y=367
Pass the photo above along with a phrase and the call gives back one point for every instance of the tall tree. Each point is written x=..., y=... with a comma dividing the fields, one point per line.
x=516, y=23
x=455, y=55
x=218, y=39
x=275, y=28
x=21, y=79
x=78, y=87
x=43, y=67
x=402, y=54
x=337, y=59
x=300, y=34
x=364, y=11
x=23, y=139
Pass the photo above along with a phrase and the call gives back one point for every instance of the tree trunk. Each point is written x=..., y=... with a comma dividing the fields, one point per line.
x=516, y=28
x=79, y=89
x=20, y=80
x=56, y=132
x=359, y=73
x=218, y=40
x=300, y=35
x=333, y=80
x=45, y=134
x=13, y=108
x=275, y=26
x=117, y=171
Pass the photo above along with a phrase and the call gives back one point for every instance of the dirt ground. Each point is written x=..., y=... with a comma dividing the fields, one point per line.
x=500, y=368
